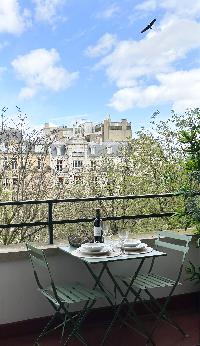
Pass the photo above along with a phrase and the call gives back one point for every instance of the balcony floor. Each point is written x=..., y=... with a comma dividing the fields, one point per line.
x=164, y=336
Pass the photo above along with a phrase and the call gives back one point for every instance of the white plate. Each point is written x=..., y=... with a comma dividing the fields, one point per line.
x=101, y=252
x=132, y=242
x=135, y=248
x=110, y=253
x=92, y=246
x=141, y=251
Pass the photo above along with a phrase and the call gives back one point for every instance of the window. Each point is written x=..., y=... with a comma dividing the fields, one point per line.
x=93, y=164
x=109, y=150
x=92, y=150
x=39, y=163
x=15, y=181
x=116, y=128
x=77, y=179
x=5, y=163
x=22, y=163
x=6, y=182
x=61, y=180
x=77, y=164
x=59, y=165
x=14, y=163
x=95, y=179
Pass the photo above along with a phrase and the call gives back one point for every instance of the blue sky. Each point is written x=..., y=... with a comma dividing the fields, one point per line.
x=70, y=59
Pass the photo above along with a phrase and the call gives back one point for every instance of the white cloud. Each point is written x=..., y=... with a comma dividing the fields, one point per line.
x=12, y=19
x=27, y=92
x=40, y=69
x=180, y=88
x=149, y=5
x=132, y=61
x=183, y=8
x=109, y=12
x=144, y=70
x=103, y=46
x=46, y=10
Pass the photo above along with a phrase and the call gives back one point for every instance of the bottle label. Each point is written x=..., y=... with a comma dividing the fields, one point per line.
x=97, y=231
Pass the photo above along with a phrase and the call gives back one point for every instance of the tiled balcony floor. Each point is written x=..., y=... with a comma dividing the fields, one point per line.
x=164, y=336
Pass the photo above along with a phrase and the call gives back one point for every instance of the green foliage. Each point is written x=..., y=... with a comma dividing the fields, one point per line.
x=189, y=138
x=163, y=158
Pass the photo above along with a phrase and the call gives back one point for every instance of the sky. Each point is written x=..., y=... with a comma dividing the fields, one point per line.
x=66, y=60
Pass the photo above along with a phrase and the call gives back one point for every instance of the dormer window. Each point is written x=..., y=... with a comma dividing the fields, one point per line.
x=58, y=151
x=109, y=150
x=92, y=150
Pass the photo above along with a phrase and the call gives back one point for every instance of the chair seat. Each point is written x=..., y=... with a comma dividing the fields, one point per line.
x=146, y=281
x=72, y=293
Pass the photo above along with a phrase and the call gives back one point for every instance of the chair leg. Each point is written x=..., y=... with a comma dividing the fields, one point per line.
x=82, y=316
x=75, y=333
x=131, y=313
x=44, y=331
x=74, y=330
x=63, y=328
x=162, y=314
x=111, y=324
x=165, y=316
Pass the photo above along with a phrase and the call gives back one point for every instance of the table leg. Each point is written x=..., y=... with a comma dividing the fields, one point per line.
x=97, y=279
x=125, y=300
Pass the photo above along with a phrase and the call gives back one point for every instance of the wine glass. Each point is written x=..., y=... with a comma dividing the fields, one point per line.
x=107, y=233
x=123, y=236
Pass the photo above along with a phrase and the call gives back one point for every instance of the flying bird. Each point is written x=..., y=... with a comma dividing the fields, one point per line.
x=149, y=26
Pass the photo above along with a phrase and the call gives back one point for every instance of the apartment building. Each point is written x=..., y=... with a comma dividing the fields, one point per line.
x=76, y=149
x=71, y=160
x=73, y=151
x=19, y=159
x=106, y=131
x=114, y=131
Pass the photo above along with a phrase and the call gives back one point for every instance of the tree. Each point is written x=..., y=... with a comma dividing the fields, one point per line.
x=25, y=174
x=152, y=162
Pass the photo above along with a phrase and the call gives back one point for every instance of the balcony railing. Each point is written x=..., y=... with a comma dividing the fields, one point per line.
x=51, y=202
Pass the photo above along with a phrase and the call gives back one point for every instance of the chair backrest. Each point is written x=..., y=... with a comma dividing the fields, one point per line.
x=182, y=239
x=39, y=261
x=174, y=241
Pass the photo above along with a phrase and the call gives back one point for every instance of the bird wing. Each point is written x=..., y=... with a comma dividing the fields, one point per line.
x=152, y=22
x=148, y=26
x=145, y=29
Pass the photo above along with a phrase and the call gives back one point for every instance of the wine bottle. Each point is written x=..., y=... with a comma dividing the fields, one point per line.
x=98, y=229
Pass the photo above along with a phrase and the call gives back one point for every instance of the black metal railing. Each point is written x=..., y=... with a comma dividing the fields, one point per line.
x=51, y=202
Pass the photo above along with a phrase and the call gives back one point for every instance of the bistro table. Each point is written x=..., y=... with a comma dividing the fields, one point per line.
x=104, y=261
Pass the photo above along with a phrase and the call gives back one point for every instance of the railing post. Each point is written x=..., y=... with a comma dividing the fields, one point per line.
x=50, y=224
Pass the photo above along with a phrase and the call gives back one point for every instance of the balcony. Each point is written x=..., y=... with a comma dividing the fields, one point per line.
x=24, y=311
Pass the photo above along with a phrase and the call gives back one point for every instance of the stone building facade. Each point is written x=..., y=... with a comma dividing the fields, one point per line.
x=70, y=160
x=75, y=149
x=106, y=131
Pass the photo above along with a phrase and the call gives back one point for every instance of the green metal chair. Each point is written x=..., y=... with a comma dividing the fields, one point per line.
x=145, y=282
x=61, y=298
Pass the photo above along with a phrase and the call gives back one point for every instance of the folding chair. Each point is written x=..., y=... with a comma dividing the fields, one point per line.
x=61, y=298
x=144, y=282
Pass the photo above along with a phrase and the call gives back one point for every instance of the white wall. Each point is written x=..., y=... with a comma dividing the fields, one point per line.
x=20, y=300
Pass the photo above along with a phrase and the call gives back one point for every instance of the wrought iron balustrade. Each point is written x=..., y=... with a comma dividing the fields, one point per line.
x=51, y=202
